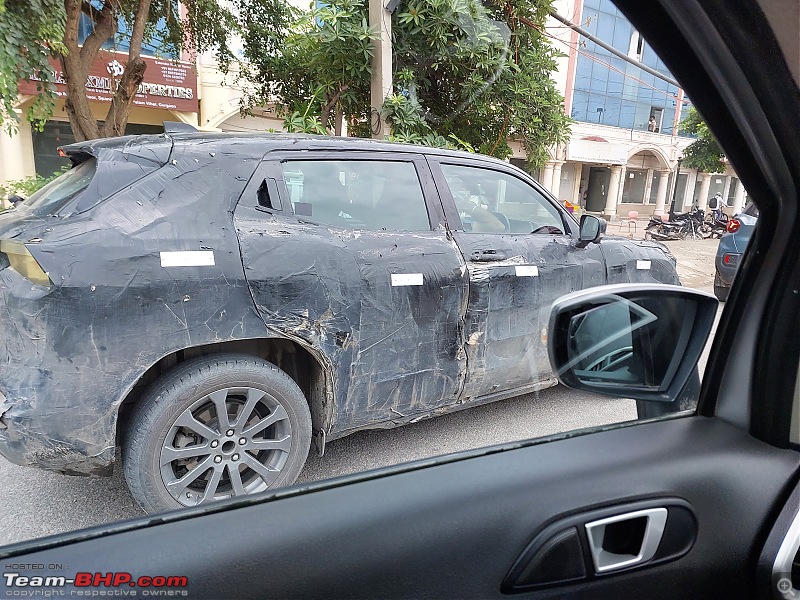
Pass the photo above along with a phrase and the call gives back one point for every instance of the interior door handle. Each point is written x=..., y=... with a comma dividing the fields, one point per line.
x=627, y=539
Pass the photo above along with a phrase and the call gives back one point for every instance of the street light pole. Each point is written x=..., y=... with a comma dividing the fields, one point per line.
x=675, y=188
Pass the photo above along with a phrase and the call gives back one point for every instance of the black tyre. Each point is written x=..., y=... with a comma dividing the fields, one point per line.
x=215, y=427
x=720, y=290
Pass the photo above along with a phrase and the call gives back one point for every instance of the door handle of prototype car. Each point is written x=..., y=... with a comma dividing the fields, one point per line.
x=627, y=539
x=489, y=255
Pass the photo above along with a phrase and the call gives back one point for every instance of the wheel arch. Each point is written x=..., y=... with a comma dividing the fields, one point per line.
x=306, y=366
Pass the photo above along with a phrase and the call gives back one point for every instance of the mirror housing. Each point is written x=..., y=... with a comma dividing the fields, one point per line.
x=592, y=228
x=639, y=341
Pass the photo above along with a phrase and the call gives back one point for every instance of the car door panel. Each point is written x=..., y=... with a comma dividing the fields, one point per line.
x=384, y=308
x=455, y=526
x=514, y=278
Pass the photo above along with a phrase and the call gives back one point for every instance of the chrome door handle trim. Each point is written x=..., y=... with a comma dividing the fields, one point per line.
x=605, y=561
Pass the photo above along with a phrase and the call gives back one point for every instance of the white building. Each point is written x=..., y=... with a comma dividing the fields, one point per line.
x=623, y=151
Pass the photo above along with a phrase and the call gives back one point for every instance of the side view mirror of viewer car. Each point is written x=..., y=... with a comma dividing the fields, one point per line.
x=639, y=341
x=592, y=228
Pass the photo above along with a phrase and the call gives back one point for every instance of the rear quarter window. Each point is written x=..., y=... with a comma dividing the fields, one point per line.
x=58, y=193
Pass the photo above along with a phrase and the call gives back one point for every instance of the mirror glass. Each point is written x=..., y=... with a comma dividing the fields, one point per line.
x=590, y=228
x=635, y=341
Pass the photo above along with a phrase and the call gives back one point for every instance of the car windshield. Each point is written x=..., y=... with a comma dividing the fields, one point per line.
x=351, y=257
x=54, y=196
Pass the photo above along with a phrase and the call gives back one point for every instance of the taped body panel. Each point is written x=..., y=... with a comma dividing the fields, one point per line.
x=394, y=348
x=74, y=349
x=638, y=261
x=509, y=303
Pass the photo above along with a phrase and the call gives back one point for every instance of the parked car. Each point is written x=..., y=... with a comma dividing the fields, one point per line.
x=705, y=504
x=731, y=247
x=211, y=302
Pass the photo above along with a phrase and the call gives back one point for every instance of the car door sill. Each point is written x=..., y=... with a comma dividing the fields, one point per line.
x=402, y=419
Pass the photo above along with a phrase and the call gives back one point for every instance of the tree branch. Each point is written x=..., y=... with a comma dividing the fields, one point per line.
x=117, y=117
x=84, y=125
x=105, y=26
x=502, y=132
x=335, y=98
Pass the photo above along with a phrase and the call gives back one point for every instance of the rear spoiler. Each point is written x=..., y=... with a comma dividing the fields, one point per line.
x=172, y=127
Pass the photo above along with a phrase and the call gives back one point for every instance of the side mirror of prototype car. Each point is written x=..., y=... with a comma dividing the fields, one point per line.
x=639, y=341
x=592, y=228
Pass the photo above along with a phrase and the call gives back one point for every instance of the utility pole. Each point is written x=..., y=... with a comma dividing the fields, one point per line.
x=380, y=21
x=675, y=189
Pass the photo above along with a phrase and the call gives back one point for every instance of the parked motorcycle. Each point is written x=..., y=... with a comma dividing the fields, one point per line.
x=680, y=226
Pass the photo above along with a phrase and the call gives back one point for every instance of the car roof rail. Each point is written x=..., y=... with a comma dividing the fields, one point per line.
x=171, y=127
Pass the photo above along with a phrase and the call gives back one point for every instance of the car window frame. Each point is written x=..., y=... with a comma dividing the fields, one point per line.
x=431, y=198
x=571, y=228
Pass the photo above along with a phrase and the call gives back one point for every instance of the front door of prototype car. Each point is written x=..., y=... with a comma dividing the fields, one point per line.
x=357, y=265
x=521, y=254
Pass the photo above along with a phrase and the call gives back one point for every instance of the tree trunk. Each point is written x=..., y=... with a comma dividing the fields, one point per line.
x=338, y=118
x=328, y=104
x=78, y=60
x=325, y=114
x=120, y=110
x=122, y=102
x=84, y=126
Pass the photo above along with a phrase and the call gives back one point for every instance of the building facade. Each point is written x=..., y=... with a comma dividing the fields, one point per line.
x=624, y=150
x=622, y=156
x=186, y=88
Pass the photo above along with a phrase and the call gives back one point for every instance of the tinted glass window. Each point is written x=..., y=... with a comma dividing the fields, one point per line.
x=358, y=194
x=55, y=195
x=494, y=202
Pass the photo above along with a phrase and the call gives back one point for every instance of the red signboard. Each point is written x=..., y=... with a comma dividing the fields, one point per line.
x=167, y=84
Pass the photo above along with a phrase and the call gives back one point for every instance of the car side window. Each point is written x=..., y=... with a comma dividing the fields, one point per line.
x=494, y=202
x=357, y=194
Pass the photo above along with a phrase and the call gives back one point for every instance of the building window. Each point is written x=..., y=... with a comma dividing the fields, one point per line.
x=636, y=47
x=633, y=190
x=732, y=191
x=655, y=120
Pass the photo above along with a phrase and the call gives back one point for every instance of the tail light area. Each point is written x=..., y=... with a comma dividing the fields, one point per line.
x=15, y=256
x=734, y=225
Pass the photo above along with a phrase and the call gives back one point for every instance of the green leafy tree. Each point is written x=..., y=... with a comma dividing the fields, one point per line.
x=32, y=31
x=313, y=64
x=467, y=74
x=26, y=187
x=480, y=73
x=704, y=154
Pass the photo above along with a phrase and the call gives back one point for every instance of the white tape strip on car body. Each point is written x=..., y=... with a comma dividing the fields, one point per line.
x=402, y=279
x=188, y=258
x=643, y=265
x=526, y=271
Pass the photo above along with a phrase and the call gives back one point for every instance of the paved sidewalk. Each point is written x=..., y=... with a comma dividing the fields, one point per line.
x=695, y=262
x=695, y=257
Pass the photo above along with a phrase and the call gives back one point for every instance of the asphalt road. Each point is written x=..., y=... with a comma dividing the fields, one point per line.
x=35, y=503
